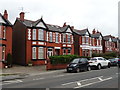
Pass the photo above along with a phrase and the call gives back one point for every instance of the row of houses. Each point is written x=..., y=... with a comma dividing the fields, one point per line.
x=36, y=40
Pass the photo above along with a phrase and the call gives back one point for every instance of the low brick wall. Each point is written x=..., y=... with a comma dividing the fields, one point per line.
x=57, y=66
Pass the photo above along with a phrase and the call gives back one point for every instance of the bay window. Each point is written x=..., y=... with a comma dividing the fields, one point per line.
x=64, y=38
x=51, y=37
x=40, y=34
x=40, y=53
x=57, y=38
x=34, y=34
x=68, y=38
x=34, y=53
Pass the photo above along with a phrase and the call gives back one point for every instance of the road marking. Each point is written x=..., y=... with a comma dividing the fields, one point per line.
x=78, y=83
x=100, y=79
x=59, y=76
x=38, y=78
x=93, y=82
x=11, y=81
x=81, y=80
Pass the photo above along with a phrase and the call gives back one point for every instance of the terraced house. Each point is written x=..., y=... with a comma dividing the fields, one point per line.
x=35, y=41
x=97, y=42
x=111, y=44
x=5, y=38
x=82, y=42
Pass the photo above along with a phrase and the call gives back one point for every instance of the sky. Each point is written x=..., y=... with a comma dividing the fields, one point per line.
x=99, y=14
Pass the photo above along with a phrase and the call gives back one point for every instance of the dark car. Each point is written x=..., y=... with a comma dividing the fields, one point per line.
x=119, y=62
x=113, y=61
x=79, y=64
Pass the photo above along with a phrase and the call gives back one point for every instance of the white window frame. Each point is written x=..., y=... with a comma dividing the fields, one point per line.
x=47, y=35
x=68, y=38
x=56, y=38
x=33, y=52
x=4, y=32
x=83, y=39
x=3, y=53
x=64, y=38
x=51, y=37
x=40, y=52
x=40, y=34
x=50, y=53
x=34, y=34
x=29, y=34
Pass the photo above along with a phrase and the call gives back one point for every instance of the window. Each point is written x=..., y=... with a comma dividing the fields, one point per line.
x=3, y=53
x=4, y=32
x=40, y=53
x=34, y=53
x=40, y=34
x=64, y=38
x=47, y=35
x=83, y=39
x=50, y=52
x=57, y=38
x=0, y=32
x=69, y=51
x=64, y=51
x=87, y=40
x=34, y=34
x=50, y=35
x=68, y=39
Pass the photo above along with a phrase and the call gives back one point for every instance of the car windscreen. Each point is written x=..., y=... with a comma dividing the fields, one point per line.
x=75, y=61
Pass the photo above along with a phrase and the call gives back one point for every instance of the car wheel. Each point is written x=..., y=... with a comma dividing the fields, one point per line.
x=88, y=68
x=99, y=67
x=77, y=70
x=108, y=65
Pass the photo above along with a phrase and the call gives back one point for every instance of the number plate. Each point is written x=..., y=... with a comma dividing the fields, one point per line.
x=69, y=68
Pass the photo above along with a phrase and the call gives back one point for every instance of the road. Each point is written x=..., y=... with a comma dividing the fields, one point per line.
x=104, y=78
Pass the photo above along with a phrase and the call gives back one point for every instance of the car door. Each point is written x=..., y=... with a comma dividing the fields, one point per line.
x=82, y=63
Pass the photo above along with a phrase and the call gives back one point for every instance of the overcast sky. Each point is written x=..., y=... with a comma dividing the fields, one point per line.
x=99, y=14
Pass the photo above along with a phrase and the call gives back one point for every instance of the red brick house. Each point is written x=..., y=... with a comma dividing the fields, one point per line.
x=5, y=38
x=97, y=42
x=82, y=42
x=36, y=41
x=111, y=44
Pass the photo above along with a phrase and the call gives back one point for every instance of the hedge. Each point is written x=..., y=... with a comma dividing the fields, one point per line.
x=108, y=55
x=64, y=59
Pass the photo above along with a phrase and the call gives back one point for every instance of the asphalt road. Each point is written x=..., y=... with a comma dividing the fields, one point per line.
x=104, y=78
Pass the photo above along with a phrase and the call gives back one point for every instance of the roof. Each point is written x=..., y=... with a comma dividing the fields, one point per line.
x=96, y=35
x=6, y=22
x=50, y=27
x=112, y=38
x=81, y=32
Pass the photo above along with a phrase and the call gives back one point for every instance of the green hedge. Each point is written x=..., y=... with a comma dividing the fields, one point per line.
x=64, y=59
x=105, y=55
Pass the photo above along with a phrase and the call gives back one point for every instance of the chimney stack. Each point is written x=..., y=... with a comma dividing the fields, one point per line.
x=72, y=27
x=5, y=14
x=64, y=24
x=93, y=32
x=98, y=31
x=22, y=16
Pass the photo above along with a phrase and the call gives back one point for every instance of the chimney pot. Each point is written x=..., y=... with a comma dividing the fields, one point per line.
x=93, y=32
x=22, y=16
x=5, y=14
x=64, y=24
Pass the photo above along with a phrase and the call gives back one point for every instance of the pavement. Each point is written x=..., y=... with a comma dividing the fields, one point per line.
x=18, y=72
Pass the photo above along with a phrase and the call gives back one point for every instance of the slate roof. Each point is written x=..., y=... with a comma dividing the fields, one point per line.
x=54, y=28
x=7, y=22
x=96, y=35
x=112, y=38
x=81, y=32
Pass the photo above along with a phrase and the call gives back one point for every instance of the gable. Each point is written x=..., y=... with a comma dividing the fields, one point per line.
x=87, y=34
x=1, y=20
x=69, y=30
x=110, y=39
x=41, y=24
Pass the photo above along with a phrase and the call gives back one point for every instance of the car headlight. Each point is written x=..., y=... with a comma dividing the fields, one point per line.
x=75, y=65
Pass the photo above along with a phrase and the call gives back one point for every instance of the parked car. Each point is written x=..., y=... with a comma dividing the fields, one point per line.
x=78, y=65
x=99, y=62
x=119, y=62
x=114, y=61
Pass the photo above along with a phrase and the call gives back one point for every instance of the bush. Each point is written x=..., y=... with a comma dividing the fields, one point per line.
x=62, y=59
x=9, y=60
x=108, y=55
